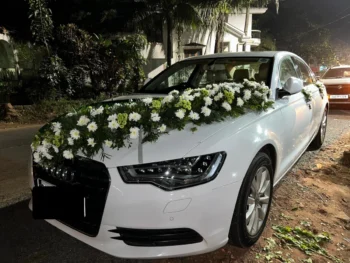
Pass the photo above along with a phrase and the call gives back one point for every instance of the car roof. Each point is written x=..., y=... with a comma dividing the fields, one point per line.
x=268, y=54
x=342, y=66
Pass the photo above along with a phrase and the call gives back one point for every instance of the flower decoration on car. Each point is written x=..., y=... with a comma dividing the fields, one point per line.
x=321, y=88
x=307, y=94
x=115, y=125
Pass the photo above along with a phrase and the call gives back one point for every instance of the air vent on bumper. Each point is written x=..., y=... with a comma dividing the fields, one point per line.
x=157, y=237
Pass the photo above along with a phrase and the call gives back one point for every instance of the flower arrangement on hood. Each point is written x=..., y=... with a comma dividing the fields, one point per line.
x=92, y=128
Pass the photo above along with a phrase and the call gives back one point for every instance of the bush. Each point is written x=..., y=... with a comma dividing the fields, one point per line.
x=47, y=110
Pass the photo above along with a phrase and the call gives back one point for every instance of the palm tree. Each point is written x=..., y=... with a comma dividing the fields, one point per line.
x=172, y=13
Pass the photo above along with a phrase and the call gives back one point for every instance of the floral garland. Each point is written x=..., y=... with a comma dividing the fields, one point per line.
x=307, y=94
x=321, y=87
x=116, y=125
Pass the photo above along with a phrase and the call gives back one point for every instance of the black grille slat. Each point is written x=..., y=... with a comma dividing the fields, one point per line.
x=157, y=237
x=93, y=179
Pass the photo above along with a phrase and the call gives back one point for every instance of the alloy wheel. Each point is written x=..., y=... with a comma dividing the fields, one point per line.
x=258, y=200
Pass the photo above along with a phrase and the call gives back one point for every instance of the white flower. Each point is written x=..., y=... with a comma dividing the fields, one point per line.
x=98, y=111
x=91, y=142
x=46, y=144
x=257, y=93
x=180, y=114
x=55, y=148
x=206, y=111
x=187, y=97
x=56, y=127
x=240, y=102
x=134, y=133
x=32, y=147
x=75, y=134
x=209, y=86
x=47, y=155
x=226, y=106
x=113, y=125
x=116, y=105
x=218, y=96
x=70, y=114
x=37, y=157
x=247, y=95
x=162, y=128
x=83, y=121
x=237, y=89
x=109, y=143
x=197, y=94
x=92, y=127
x=68, y=154
x=132, y=104
x=174, y=92
x=155, y=117
x=70, y=141
x=134, y=116
x=230, y=89
x=112, y=117
x=168, y=99
x=147, y=101
x=194, y=115
x=208, y=101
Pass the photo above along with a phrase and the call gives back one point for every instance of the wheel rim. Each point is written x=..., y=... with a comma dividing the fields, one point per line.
x=258, y=200
x=324, y=127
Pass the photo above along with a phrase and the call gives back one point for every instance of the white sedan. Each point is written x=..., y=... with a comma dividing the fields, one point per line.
x=192, y=192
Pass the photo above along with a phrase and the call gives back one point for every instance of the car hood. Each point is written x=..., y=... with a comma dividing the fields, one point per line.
x=339, y=81
x=176, y=144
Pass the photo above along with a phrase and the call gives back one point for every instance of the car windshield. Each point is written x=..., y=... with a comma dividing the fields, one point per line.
x=337, y=73
x=199, y=73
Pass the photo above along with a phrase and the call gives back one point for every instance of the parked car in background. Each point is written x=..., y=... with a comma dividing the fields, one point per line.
x=195, y=191
x=337, y=82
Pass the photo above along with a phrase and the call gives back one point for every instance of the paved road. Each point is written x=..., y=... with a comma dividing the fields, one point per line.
x=14, y=153
x=23, y=239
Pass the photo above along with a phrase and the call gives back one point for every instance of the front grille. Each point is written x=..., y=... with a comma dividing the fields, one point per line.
x=91, y=177
x=157, y=237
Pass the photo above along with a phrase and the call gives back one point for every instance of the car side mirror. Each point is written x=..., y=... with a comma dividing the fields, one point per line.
x=293, y=85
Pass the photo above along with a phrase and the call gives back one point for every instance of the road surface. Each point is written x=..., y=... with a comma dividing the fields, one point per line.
x=23, y=239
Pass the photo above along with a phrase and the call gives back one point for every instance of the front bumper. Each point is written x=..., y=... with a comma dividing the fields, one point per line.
x=207, y=209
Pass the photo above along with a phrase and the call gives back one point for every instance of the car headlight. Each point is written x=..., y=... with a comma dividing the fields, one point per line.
x=175, y=174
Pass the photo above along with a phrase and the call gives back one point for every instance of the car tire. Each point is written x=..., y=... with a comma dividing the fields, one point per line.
x=253, y=207
x=317, y=142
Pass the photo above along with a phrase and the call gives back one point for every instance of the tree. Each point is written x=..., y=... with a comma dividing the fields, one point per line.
x=215, y=12
x=41, y=22
x=297, y=29
x=172, y=13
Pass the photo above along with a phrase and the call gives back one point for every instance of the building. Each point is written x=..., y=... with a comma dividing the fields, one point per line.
x=201, y=42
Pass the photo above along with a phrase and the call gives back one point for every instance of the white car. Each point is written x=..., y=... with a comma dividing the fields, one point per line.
x=136, y=210
x=337, y=82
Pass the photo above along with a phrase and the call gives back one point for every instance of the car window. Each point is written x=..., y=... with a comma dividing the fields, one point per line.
x=287, y=70
x=202, y=72
x=179, y=77
x=337, y=73
x=303, y=71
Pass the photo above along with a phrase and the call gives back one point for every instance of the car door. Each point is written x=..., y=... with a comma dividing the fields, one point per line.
x=297, y=118
x=309, y=81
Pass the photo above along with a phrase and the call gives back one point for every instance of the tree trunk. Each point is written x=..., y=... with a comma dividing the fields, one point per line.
x=246, y=26
x=219, y=33
x=169, y=49
x=8, y=112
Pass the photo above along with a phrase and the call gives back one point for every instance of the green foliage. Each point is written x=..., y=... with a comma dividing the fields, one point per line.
x=41, y=21
x=114, y=124
x=305, y=240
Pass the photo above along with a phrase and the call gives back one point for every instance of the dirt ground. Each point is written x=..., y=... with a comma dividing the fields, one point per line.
x=316, y=197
